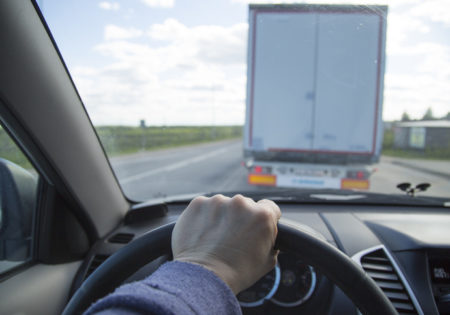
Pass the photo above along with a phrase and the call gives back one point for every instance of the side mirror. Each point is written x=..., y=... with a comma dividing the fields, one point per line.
x=18, y=189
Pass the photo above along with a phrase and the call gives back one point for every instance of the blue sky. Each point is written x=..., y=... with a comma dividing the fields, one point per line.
x=184, y=62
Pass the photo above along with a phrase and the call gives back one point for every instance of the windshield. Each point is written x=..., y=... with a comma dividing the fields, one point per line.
x=213, y=96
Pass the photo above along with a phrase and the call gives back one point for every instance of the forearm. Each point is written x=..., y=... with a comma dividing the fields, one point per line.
x=175, y=288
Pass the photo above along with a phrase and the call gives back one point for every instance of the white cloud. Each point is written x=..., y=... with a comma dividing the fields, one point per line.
x=210, y=43
x=400, y=28
x=418, y=71
x=424, y=84
x=189, y=75
x=434, y=10
x=113, y=32
x=436, y=61
x=106, y=5
x=159, y=3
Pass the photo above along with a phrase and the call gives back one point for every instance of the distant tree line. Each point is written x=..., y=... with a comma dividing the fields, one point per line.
x=428, y=115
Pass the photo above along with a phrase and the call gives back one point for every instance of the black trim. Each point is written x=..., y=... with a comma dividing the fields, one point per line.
x=144, y=212
x=37, y=214
x=61, y=238
x=15, y=270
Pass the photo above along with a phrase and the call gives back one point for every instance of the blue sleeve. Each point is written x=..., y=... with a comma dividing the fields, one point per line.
x=175, y=288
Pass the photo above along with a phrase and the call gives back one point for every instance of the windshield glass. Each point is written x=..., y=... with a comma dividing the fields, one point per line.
x=214, y=96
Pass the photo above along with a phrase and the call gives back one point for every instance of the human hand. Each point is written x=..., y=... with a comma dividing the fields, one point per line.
x=232, y=237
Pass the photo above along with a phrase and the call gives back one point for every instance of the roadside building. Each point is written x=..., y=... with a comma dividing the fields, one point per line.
x=422, y=135
x=387, y=125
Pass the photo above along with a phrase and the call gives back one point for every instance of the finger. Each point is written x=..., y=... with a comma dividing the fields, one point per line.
x=273, y=258
x=219, y=198
x=197, y=202
x=275, y=212
x=242, y=203
x=272, y=206
x=246, y=200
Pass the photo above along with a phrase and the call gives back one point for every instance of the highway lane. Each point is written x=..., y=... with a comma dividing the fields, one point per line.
x=389, y=175
x=215, y=167
x=194, y=169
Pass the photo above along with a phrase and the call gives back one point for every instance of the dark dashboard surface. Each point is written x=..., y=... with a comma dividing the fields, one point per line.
x=412, y=242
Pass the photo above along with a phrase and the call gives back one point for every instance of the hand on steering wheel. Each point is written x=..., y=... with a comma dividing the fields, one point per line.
x=225, y=248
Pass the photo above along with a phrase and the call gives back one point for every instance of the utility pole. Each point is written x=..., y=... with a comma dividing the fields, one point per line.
x=143, y=135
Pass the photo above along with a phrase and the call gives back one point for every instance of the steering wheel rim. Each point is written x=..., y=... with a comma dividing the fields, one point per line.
x=331, y=262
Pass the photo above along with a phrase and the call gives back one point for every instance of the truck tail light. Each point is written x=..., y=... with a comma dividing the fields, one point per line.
x=258, y=169
x=355, y=174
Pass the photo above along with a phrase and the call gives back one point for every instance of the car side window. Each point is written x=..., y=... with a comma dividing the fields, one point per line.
x=18, y=195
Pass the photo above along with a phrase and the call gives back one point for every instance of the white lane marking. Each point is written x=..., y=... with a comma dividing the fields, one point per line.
x=157, y=155
x=173, y=167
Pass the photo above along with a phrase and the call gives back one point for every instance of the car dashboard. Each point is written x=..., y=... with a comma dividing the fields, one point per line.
x=404, y=249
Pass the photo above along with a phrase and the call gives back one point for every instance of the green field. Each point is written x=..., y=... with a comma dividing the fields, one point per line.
x=122, y=140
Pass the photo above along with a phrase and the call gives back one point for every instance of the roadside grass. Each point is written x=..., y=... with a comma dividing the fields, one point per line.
x=437, y=154
x=442, y=153
x=119, y=140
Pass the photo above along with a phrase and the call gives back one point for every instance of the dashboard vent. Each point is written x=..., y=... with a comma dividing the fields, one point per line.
x=95, y=262
x=381, y=267
x=121, y=238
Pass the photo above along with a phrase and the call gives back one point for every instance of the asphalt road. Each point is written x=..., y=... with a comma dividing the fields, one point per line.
x=216, y=167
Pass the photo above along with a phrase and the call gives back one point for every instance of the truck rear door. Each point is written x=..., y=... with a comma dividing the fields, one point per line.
x=281, y=72
x=348, y=75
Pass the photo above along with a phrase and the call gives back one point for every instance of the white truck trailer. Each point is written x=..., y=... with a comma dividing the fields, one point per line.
x=314, y=94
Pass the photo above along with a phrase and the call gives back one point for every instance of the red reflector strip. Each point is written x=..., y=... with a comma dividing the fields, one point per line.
x=258, y=179
x=347, y=183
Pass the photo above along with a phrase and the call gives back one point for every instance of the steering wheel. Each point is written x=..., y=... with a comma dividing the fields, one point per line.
x=338, y=267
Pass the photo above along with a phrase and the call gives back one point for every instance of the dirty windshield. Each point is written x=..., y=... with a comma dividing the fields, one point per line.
x=213, y=96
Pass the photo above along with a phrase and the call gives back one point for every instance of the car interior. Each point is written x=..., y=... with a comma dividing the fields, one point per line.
x=69, y=233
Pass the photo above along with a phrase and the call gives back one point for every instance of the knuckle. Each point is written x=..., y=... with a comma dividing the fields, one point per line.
x=218, y=200
x=200, y=199
x=270, y=206
x=238, y=201
x=263, y=217
x=218, y=197
x=197, y=202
